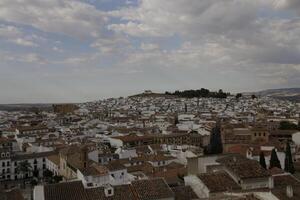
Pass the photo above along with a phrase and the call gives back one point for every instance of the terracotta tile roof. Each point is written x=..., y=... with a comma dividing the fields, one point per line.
x=280, y=193
x=95, y=170
x=145, y=168
x=5, y=140
x=54, y=158
x=218, y=182
x=276, y=171
x=184, y=193
x=69, y=150
x=284, y=180
x=239, y=148
x=152, y=189
x=14, y=194
x=244, y=168
x=31, y=128
x=68, y=190
x=122, y=192
x=284, y=132
x=32, y=155
x=115, y=165
x=133, y=138
x=160, y=157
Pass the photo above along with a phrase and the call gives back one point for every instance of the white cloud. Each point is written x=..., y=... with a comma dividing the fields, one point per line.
x=69, y=17
x=23, y=42
x=14, y=35
x=57, y=49
x=31, y=58
x=112, y=45
x=149, y=46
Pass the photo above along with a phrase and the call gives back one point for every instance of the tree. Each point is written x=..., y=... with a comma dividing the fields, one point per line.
x=288, y=161
x=35, y=173
x=24, y=168
x=57, y=179
x=238, y=95
x=262, y=160
x=33, y=182
x=274, y=161
x=48, y=175
x=253, y=96
x=205, y=93
x=215, y=145
x=286, y=125
x=176, y=121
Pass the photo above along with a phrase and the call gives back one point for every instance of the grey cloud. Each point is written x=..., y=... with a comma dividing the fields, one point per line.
x=72, y=17
x=223, y=44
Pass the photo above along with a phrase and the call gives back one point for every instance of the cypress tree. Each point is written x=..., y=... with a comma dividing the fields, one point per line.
x=262, y=160
x=216, y=146
x=274, y=161
x=288, y=161
x=176, y=121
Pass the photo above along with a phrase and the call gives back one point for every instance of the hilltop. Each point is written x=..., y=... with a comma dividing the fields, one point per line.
x=292, y=94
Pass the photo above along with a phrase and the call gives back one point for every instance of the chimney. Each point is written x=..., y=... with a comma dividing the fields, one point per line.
x=108, y=191
x=289, y=191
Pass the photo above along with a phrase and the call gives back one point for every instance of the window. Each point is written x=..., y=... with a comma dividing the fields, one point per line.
x=3, y=164
x=109, y=191
x=8, y=170
x=8, y=163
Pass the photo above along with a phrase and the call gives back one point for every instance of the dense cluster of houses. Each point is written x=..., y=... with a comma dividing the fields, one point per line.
x=150, y=147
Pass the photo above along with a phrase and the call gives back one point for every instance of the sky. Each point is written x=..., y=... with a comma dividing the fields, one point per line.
x=82, y=50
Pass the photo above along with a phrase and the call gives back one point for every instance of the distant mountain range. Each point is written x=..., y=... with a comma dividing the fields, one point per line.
x=292, y=94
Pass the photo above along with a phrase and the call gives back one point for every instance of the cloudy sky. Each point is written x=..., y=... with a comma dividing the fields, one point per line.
x=79, y=50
